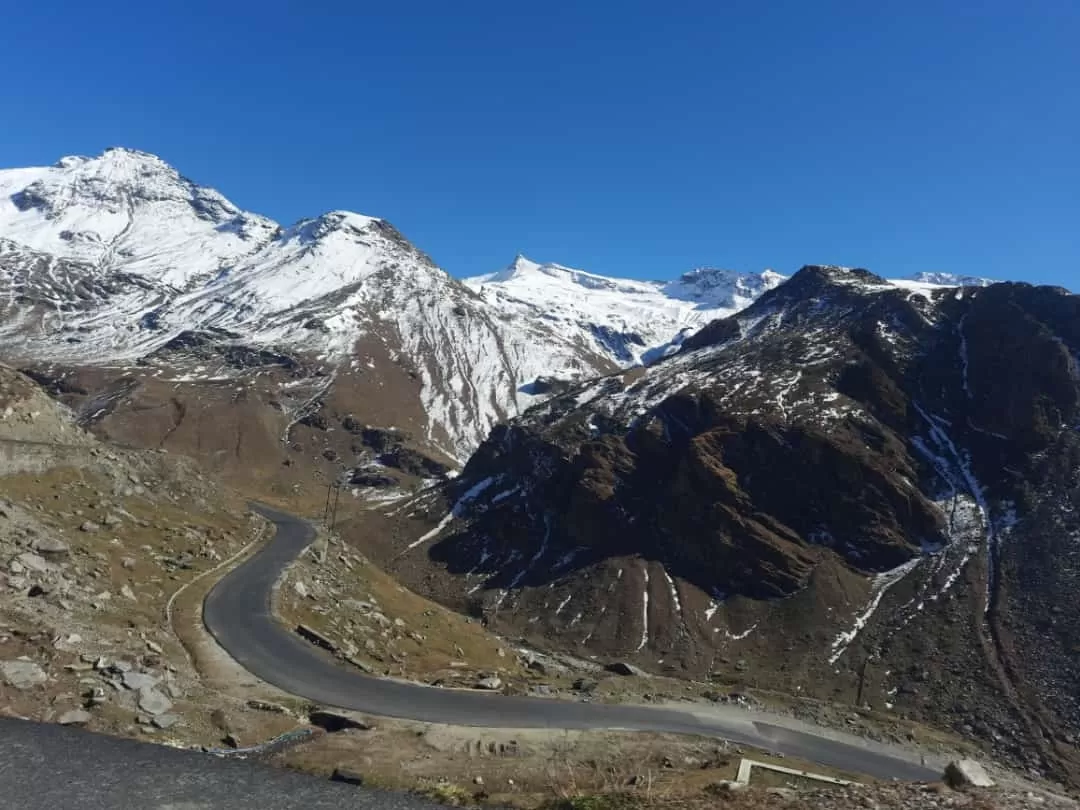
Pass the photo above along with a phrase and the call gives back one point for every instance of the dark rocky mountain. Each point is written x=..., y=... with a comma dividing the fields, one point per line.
x=849, y=490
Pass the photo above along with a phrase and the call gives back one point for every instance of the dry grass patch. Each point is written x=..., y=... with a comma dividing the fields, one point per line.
x=385, y=626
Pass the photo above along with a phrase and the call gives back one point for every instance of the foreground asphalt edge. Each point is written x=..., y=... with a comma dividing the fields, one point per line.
x=44, y=766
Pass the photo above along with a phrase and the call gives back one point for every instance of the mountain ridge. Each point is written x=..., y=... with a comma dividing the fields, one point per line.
x=117, y=267
x=128, y=169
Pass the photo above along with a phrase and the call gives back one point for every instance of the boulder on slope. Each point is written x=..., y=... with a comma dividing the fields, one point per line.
x=966, y=773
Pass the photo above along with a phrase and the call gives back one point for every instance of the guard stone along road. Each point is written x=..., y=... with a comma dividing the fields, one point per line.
x=238, y=613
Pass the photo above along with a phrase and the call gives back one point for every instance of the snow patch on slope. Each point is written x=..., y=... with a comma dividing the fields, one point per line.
x=878, y=588
x=471, y=494
x=644, y=608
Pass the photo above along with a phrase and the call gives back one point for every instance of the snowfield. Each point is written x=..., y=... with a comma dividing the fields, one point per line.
x=629, y=321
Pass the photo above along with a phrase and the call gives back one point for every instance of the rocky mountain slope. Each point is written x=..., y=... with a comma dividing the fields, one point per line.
x=94, y=542
x=852, y=489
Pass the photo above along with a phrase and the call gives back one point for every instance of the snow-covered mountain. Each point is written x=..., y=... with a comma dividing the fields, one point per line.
x=638, y=322
x=118, y=259
x=119, y=262
x=952, y=280
x=627, y=320
x=128, y=211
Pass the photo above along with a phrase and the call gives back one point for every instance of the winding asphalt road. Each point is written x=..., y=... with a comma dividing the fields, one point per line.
x=238, y=614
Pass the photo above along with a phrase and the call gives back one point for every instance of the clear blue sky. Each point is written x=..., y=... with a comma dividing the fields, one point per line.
x=624, y=137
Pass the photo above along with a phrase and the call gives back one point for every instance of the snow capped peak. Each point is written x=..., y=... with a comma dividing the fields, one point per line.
x=128, y=152
x=522, y=264
x=114, y=174
x=624, y=320
x=349, y=219
x=344, y=223
x=111, y=258
x=521, y=269
x=115, y=156
x=722, y=288
x=708, y=276
x=840, y=274
x=130, y=211
x=523, y=275
x=123, y=155
x=951, y=279
x=71, y=161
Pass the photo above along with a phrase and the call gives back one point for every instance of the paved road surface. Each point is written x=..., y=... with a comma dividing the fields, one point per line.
x=237, y=612
x=49, y=767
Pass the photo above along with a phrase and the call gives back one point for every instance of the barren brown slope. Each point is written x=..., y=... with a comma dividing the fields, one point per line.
x=94, y=542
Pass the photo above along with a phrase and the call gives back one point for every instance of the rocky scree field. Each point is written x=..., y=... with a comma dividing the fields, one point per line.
x=94, y=542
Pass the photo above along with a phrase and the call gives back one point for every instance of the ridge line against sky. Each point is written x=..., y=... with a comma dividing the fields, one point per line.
x=609, y=138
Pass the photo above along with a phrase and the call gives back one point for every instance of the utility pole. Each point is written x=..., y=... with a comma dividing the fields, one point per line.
x=870, y=656
x=326, y=509
x=337, y=497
